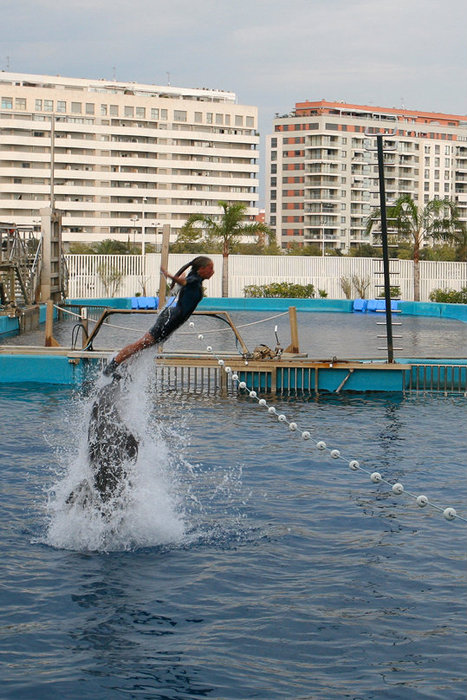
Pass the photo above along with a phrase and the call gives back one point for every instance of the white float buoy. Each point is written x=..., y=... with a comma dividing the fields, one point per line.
x=449, y=513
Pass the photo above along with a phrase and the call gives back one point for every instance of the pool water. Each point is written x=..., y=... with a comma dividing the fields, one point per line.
x=246, y=564
x=321, y=335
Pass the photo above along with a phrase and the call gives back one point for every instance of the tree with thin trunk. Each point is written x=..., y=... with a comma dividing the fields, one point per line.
x=228, y=229
x=437, y=220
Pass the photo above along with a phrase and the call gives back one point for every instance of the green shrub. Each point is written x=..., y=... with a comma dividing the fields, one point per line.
x=395, y=293
x=449, y=296
x=283, y=290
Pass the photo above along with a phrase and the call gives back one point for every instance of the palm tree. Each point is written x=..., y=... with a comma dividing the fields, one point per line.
x=438, y=219
x=227, y=230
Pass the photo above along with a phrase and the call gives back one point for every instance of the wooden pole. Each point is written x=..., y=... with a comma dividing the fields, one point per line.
x=49, y=326
x=164, y=263
x=294, y=346
x=85, y=325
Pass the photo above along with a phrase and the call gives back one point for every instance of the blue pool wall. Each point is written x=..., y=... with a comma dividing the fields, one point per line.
x=408, y=308
x=9, y=327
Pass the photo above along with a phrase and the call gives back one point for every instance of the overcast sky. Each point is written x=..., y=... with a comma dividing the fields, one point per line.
x=271, y=53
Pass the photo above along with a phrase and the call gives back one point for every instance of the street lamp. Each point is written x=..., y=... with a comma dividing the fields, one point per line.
x=143, y=227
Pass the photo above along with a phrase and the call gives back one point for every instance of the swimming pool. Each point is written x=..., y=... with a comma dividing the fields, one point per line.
x=250, y=565
x=321, y=335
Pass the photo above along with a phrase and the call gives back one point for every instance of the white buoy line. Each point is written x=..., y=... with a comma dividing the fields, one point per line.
x=376, y=477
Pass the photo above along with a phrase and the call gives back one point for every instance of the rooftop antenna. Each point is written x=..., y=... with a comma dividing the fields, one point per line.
x=168, y=79
x=8, y=63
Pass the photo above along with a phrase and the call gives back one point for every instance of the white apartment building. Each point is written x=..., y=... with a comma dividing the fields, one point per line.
x=119, y=159
x=322, y=172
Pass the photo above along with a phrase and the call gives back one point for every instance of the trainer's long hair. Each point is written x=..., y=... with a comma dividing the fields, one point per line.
x=195, y=264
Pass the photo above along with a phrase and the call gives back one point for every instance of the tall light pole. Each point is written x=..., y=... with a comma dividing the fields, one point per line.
x=134, y=219
x=143, y=228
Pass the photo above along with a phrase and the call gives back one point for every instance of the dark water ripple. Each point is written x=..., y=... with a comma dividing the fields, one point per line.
x=296, y=578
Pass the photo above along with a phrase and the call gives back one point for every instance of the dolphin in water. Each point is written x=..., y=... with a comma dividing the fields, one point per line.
x=112, y=448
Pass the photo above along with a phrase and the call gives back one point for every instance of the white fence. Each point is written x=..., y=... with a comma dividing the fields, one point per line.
x=99, y=276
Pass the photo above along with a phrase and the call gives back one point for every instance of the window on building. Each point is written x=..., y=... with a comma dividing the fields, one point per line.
x=238, y=120
x=250, y=122
x=209, y=117
x=103, y=110
x=140, y=112
x=129, y=111
x=164, y=114
x=219, y=119
x=7, y=103
x=89, y=108
x=198, y=117
x=48, y=105
x=20, y=103
x=437, y=149
x=436, y=174
x=61, y=106
x=179, y=115
x=154, y=113
x=273, y=194
x=76, y=107
x=273, y=182
x=274, y=167
x=113, y=110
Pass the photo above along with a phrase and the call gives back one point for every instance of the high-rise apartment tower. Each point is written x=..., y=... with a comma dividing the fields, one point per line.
x=322, y=176
x=120, y=159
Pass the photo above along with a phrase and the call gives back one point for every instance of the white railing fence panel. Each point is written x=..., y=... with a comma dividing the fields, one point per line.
x=100, y=276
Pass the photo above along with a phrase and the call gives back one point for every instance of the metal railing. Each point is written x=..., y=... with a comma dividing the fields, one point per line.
x=439, y=378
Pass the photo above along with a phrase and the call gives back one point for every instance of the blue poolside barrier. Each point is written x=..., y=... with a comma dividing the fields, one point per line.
x=359, y=305
x=144, y=302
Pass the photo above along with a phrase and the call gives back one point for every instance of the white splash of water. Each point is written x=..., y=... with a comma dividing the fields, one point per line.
x=148, y=511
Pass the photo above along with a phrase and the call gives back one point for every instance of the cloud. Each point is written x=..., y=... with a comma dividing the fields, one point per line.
x=270, y=52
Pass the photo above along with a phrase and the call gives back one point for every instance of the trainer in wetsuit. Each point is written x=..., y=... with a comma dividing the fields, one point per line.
x=171, y=317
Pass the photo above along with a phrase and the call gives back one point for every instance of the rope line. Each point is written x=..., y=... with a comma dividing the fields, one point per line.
x=129, y=329
x=376, y=477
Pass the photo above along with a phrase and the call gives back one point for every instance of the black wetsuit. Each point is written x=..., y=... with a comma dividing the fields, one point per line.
x=173, y=316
